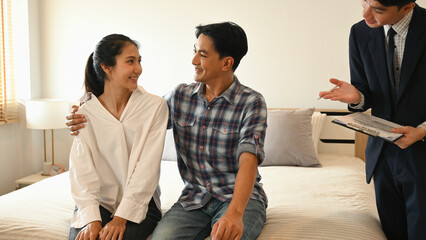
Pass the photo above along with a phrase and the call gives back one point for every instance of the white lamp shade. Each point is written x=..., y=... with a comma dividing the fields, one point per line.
x=46, y=113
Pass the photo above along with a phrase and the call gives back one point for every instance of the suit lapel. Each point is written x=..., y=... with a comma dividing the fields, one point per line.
x=414, y=48
x=378, y=54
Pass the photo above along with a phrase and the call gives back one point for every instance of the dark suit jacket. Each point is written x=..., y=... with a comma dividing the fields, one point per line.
x=370, y=76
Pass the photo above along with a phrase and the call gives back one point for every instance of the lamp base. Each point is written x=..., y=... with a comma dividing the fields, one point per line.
x=46, y=169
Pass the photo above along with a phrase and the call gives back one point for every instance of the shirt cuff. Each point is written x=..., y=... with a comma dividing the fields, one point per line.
x=360, y=105
x=131, y=210
x=86, y=215
x=248, y=147
x=423, y=125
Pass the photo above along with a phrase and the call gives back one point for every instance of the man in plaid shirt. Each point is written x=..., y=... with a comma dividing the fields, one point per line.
x=219, y=129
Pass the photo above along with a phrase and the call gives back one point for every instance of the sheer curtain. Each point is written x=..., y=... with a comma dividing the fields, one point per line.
x=8, y=104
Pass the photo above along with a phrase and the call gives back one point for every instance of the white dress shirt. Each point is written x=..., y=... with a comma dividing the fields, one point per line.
x=116, y=163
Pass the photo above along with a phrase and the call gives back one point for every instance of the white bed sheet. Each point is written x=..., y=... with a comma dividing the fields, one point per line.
x=40, y=211
x=332, y=202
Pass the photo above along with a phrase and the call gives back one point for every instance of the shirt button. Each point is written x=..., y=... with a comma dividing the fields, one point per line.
x=204, y=127
x=208, y=184
x=255, y=136
x=202, y=166
x=201, y=147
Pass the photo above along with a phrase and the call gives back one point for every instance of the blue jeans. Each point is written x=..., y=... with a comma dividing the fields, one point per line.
x=178, y=223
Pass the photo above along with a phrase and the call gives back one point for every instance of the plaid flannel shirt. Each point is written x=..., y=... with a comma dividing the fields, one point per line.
x=210, y=136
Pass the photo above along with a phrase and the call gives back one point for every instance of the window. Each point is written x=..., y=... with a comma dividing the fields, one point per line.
x=8, y=104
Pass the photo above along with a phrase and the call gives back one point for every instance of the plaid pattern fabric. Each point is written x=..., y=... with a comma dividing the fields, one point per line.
x=401, y=29
x=210, y=138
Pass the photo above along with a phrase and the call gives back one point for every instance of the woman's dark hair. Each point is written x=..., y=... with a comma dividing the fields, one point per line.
x=228, y=39
x=105, y=53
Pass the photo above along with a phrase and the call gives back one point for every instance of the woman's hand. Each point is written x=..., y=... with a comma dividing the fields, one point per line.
x=114, y=229
x=90, y=231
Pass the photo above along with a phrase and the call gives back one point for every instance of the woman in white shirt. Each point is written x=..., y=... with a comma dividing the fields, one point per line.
x=115, y=160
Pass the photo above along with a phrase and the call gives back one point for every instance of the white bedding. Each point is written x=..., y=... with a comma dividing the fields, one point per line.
x=332, y=202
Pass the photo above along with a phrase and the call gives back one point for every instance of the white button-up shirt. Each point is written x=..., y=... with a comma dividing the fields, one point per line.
x=116, y=163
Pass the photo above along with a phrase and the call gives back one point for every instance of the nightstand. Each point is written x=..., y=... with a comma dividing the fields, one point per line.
x=28, y=180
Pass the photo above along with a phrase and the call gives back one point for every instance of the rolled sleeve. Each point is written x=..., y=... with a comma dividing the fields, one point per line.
x=252, y=135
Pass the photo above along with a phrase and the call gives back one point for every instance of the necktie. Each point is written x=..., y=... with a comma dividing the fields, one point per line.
x=390, y=56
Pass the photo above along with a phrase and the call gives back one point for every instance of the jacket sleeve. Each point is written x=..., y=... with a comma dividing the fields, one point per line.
x=357, y=72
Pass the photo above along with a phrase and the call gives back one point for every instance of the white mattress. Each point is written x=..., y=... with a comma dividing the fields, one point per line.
x=332, y=202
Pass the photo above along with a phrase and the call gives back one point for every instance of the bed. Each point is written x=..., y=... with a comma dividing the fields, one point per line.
x=324, y=199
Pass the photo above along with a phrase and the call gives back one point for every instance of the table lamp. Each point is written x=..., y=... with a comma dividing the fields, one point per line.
x=47, y=114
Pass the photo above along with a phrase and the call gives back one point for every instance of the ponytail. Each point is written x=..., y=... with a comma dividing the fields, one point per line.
x=105, y=53
x=92, y=82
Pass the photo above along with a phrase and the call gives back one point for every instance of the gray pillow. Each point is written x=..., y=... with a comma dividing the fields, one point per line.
x=288, y=140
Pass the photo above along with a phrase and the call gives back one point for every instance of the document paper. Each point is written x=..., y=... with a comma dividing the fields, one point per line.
x=371, y=125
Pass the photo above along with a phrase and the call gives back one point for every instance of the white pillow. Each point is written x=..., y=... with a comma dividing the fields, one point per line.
x=169, y=151
x=318, y=120
x=289, y=140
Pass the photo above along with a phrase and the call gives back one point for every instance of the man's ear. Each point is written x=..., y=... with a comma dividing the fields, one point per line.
x=228, y=62
x=408, y=7
x=106, y=69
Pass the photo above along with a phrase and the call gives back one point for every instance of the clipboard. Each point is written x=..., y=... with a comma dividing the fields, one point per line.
x=370, y=125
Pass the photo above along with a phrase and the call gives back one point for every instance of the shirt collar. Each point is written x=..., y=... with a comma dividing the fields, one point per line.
x=401, y=27
x=228, y=94
x=89, y=95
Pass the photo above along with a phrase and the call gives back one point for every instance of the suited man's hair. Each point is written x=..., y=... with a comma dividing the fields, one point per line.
x=229, y=40
x=398, y=3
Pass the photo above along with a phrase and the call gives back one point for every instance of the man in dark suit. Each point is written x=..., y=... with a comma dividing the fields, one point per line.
x=388, y=74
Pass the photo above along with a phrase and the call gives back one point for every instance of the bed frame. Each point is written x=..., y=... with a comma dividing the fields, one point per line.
x=335, y=138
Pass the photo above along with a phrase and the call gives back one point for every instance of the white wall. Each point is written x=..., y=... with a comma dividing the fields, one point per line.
x=294, y=48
